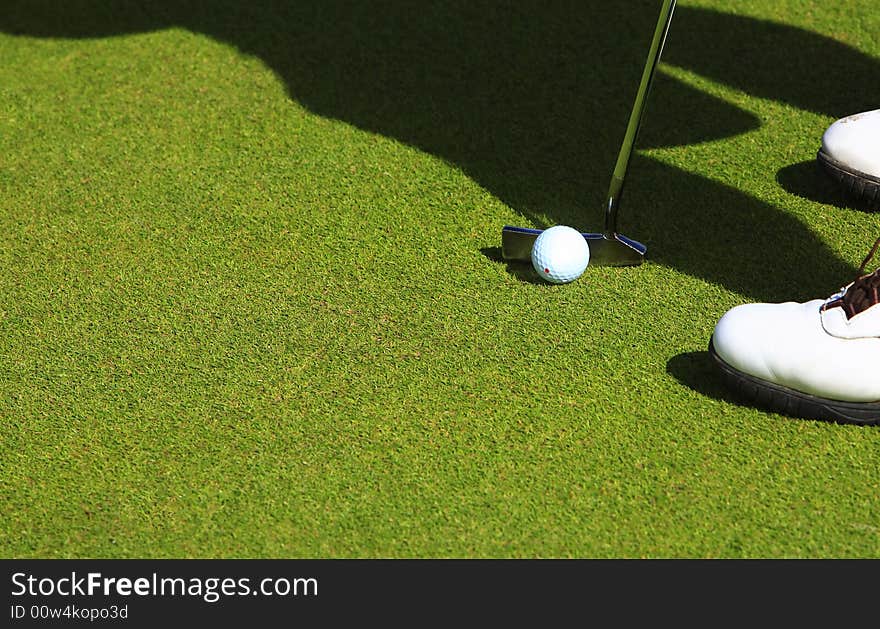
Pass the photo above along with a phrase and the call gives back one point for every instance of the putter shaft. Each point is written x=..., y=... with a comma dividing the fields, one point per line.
x=608, y=248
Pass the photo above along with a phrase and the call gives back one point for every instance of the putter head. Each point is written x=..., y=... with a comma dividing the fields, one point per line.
x=609, y=249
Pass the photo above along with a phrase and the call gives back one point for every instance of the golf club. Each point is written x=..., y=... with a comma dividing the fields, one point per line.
x=608, y=248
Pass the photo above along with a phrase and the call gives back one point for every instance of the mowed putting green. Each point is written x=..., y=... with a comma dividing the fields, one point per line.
x=252, y=299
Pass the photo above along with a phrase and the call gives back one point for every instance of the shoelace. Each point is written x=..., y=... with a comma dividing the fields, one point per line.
x=863, y=293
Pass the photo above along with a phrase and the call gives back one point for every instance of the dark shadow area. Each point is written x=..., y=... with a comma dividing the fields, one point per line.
x=776, y=62
x=531, y=100
x=808, y=181
x=694, y=370
x=749, y=246
x=522, y=272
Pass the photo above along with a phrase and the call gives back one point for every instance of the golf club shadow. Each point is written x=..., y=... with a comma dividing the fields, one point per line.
x=532, y=104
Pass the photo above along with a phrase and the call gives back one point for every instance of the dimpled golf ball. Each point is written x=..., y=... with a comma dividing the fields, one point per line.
x=560, y=254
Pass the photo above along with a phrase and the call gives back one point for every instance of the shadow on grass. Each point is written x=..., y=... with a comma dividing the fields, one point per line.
x=694, y=370
x=531, y=100
x=808, y=181
x=734, y=240
x=522, y=272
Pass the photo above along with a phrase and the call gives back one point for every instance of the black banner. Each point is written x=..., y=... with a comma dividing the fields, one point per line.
x=266, y=593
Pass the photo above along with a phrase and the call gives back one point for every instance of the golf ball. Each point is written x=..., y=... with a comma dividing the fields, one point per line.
x=560, y=254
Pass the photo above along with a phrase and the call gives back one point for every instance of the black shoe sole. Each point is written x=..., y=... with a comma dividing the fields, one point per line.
x=858, y=185
x=786, y=401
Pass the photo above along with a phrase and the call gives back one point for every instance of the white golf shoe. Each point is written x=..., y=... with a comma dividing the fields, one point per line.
x=819, y=359
x=850, y=153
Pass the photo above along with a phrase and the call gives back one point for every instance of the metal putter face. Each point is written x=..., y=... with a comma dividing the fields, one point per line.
x=605, y=249
x=609, y=248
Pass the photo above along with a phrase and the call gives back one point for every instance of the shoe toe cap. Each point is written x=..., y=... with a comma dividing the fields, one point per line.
x=743, y=338
x=854, y=142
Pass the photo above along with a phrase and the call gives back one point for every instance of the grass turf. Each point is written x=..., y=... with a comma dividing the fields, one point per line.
x=252, y=302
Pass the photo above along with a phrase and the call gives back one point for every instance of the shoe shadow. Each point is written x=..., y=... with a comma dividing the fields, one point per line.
x=808, y=181
x=532, y=100
x=694, y=370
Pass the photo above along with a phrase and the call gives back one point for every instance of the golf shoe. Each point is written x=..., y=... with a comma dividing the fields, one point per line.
x=850, y=153
x=818, y=359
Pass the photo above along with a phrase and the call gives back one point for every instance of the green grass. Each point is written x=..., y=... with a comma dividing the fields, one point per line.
x=252, y=303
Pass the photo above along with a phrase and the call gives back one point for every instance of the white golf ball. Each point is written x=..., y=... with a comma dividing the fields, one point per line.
x=560, y=254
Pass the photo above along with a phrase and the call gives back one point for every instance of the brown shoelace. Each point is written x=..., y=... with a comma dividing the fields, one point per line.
x=863, y=293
